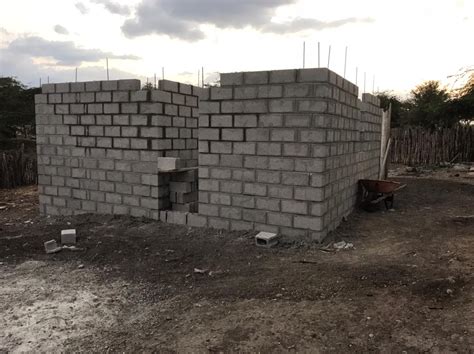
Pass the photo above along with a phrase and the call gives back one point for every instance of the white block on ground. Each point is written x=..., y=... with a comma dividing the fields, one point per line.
x=169, y=163
x=266, y=239
x=51, y=246
x=68, y=236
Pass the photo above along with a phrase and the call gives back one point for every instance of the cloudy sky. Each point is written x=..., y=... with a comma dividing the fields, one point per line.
x=401, y=43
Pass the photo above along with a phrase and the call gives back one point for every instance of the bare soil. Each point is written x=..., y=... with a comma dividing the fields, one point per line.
x=141, y=285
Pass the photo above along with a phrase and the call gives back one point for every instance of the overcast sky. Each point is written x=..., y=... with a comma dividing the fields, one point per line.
x=402, y=42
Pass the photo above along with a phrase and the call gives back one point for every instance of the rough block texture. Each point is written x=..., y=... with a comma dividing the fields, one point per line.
x=282, y=151
x=278, y=151
x=99, y=142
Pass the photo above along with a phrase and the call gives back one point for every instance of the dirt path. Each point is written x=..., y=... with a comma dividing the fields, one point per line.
x=407, y=285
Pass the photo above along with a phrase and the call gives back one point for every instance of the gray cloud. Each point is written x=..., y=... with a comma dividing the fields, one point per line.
x=29, y=72
x=114, y=7
x=181, y=19
x=65, y=53
x=60, y=29
x=302, y=24
x=81, y=7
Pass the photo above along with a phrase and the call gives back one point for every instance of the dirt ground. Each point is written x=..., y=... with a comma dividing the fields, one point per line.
x=406, y=286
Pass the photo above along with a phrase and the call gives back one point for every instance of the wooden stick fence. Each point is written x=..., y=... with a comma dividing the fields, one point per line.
x=17, y=169
x=418, y=146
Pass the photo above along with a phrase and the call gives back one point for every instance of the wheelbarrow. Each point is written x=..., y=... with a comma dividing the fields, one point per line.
x=374, y=191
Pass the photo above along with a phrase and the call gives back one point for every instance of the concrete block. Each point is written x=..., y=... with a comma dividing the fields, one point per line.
x=230, y=213
x=298, y=90
x=281, y=106
x=256, y=77
x=230, y=79
x=245, y=120
x=312, y=106
x=170, y=109
x=297, y=150
x=129, y=108
x=313, y=75
x=255, y=189
x=271, y=120
x=245, y=92
x=254, y=106
x=110, y=85
x=307, y=222
x=77, y=87
x=313, y=136
x=129, y=85
x=41, y=98
x=309, y=193
x=221, y=93
x=169, y=163
x=209, y=134
x=93, y=85
x=185, y=89
x=244, y=148
x=63, y=87
x=160, y=96
x=259, y=216
x=167, y=85
x=269, y=149
x=282, y=76
x=310, y=165
x=139, y=96
x=219, y=147
x=207, y=107
x=280, y=219
x=151, y=108
x=208, y=209
x=294, y=207
x=52, y=246
x=239, y=225
x=266, y=239
x=272, y=91
x=111, y=108
x=232, y=134
x=268, y=204
x=196, y=220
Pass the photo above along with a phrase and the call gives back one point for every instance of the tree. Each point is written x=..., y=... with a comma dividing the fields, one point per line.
x=399, y=108
x=461, y=105
x=17, y=106
x=428, y=106
x=148, y=86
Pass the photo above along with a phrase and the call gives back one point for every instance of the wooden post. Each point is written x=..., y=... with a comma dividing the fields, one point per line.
x=384, y=143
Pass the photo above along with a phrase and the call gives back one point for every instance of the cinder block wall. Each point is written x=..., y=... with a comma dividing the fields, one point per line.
x=282, y=151
x=279, y=151
x=98, y=144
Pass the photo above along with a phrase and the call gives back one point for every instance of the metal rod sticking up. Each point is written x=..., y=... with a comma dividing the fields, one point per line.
x=107, y=62
x=304, y=54
x=345, y=62
x=155, y=81
x=76, y=76
x=365, y=79
x=162, y=72
x=329, y=56
x=319, y=55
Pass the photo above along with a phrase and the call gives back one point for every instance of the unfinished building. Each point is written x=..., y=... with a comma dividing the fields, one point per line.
x=277, y=151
